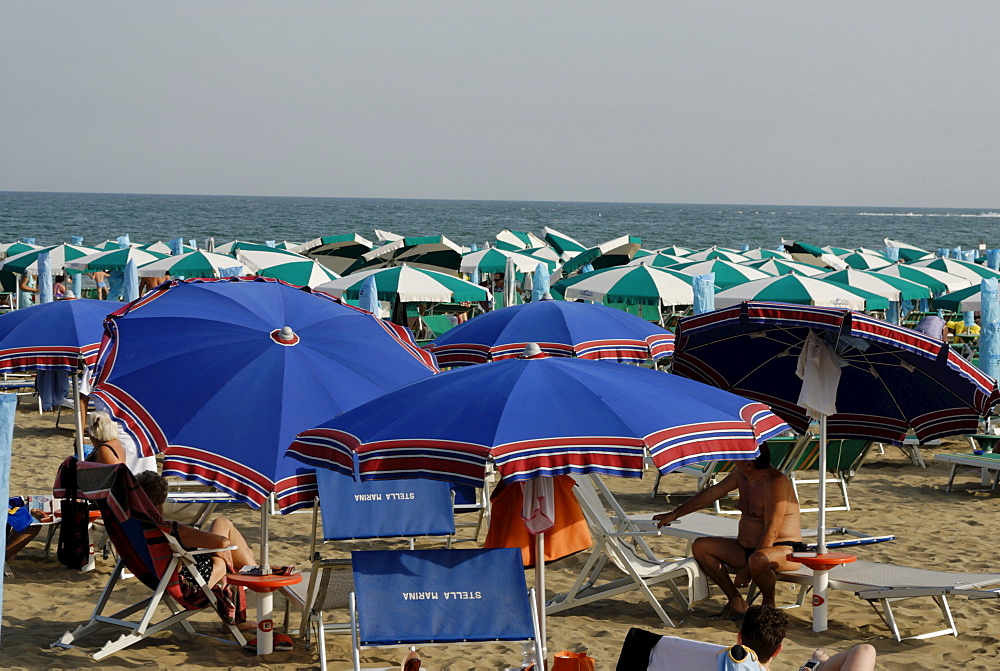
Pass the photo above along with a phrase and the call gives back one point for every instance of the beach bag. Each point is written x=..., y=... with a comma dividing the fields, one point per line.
x=74, y=536
x=572, y=661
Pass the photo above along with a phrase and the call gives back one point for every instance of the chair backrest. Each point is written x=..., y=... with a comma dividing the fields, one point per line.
x=592, y=496
x=409, y=597
x=383, y=508
x=846, y=456
x=438, y=324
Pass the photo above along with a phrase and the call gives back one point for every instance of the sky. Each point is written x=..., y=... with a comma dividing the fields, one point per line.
x=892, y=103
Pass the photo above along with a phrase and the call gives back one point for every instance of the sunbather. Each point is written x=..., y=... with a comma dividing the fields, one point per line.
x=221, y=534
x=769, y=530
x=760, y=641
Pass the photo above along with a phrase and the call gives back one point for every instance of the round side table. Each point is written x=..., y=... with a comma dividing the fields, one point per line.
x=264, y=586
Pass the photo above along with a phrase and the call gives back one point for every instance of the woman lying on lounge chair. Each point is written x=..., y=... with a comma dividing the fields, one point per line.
x=221, y=534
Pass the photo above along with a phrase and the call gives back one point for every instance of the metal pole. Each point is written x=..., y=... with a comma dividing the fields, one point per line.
x=540, y=598
x=821, y=517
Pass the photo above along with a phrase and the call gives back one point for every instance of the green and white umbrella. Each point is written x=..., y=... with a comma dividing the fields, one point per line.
x=336, y=252
x=659, y=260
x=287, y=246
x=674, y=250
x=812, y=255
x=15, y=248
x=113, y=259
x=836, y=251
x=727, y=274
x=970, y=271
x=543, y=253
x=861, y=261
x=937, y=281
x=802, y=291
x=888, y=286
x=191, y=264
x=59, y=255
x=785, y=267
x=164, y=248
x=565, y=246
x=712, y=253
x=495, y=261
x=517, y=240
x=629, y=284
x=109, y=245
x=908, y=253
x=230, y=247
x=969, y=299
x=432, y=252
x=760, y=254
x=299, y=271
x=615, y=252
x=408, y=285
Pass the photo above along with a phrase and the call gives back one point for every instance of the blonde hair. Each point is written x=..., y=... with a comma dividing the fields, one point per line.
x=102, y=428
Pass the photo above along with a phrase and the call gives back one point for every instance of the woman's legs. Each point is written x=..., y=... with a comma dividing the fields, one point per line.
x=238, y=558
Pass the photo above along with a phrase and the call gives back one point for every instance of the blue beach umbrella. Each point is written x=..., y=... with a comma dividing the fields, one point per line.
x=206, y=372
x=560, y=328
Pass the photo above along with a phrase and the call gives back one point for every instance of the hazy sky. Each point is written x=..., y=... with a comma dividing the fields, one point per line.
x=800, y=102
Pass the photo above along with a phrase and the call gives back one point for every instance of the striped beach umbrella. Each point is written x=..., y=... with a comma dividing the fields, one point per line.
x=59, y=255
x=300, y=271
x=727, y=273
x=659, y=260
x=642, y=285
x=164, y=248
x=801, y=291
x=907, y=252
x=712, y=253
x=812, y=255
x=408, y=285
x=937, y=281
x=760, y=253
x=336, y=252
x=888, y=286
x=674, y=250
x=517, y=240
x=970, y=271
x=15, y=248
x=191, y=264
x=560, y=328
x=113, y=259
x=563, y=244
x=433, y=252
x=615, y=252
x=836, y=251
x=862, y=261
x=494, y=260
x=777, y=266
x=969, y=299
x=230, y=247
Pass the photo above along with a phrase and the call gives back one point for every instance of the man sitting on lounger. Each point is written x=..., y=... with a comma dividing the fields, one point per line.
x=769, y=530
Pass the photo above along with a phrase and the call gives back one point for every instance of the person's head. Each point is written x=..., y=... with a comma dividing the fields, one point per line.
x=102, y=428
x=763, y=630
x=761, y=462
x=155, y=487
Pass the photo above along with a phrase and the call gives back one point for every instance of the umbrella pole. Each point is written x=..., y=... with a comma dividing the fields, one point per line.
x=265, y=600
x=76, y=412
x=540, y=598
x=821, y=515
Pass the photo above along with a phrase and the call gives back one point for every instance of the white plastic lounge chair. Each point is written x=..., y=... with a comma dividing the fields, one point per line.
x=628, y=552
x=987, y=462
x=645, y=651
x=885, y=584
x=440, y=597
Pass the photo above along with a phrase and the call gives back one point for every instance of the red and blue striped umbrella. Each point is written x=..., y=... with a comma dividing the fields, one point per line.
x=538, y=417
x=895, y=379
x=584, y=330
x=52, y=336
x=204, y=371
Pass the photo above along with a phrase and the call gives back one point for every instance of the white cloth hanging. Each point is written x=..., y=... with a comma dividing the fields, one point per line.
x=819, y=369
x=538, y=504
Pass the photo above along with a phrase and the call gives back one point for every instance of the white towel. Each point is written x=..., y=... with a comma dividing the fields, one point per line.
x=538, y=505
x=819, y=369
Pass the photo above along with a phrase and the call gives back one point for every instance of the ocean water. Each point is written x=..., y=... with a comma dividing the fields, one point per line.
x=53, y=217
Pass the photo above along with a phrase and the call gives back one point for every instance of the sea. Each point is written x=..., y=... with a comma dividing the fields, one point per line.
x=52, y=218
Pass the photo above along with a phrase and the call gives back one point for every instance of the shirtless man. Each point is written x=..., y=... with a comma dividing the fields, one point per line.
x=769, y=530
x=101, y=280
x=150, y=283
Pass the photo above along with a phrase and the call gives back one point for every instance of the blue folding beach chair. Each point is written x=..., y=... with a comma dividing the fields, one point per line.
x=352, y=510
x=440, y=597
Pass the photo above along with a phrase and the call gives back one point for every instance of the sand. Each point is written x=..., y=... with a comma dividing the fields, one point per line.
x=955, y=531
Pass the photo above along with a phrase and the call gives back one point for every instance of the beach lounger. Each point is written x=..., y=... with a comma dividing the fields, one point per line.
x=380, y=509
x=844, y=459
x=145, y=549
x=885, y=584
x=987, y=463
x=628, y=552
x=440, y=597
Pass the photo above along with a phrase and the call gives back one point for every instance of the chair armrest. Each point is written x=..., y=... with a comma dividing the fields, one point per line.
x=202, y=551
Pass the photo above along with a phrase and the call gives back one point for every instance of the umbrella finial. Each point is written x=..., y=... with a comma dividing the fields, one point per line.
x=532, y=351
x=285, y=336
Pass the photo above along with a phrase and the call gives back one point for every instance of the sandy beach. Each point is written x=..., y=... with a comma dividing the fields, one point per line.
x=948, y=531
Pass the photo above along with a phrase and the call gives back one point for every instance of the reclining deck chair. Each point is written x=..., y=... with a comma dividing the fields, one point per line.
x=145, y=548
x=381, y=509
x=886, y=584
x=645, y=651
x=440, y=597
x=627, y=551
x=844, y=459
